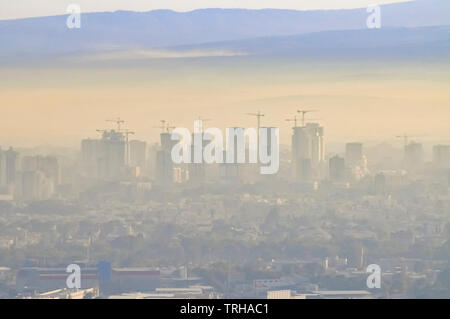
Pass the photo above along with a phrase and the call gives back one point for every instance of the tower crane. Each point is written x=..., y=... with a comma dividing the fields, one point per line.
x=303, y=113
x=258, y=116
x=118, y=121
x=102, y=132
x=169, y=128
x=199, y=124
x=294, y=119
x=163, y=126
x=406, y=137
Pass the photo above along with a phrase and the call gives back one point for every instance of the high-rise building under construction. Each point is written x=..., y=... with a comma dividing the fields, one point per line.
x=307, y=151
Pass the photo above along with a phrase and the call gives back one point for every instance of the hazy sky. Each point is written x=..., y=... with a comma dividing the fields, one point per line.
x=356, y=101
x=61, y=104
x=13, y=9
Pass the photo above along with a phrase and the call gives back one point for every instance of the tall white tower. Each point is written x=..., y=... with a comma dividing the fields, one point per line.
x=308, y=151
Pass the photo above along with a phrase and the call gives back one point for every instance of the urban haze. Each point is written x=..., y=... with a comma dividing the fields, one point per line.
x=357, y=206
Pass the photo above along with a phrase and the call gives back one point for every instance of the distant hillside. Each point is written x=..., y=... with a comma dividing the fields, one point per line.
x=388, y=42
x=48, y=36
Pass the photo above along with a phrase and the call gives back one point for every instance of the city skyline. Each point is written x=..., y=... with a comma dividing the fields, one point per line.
x=115, y=156
x=151, y=135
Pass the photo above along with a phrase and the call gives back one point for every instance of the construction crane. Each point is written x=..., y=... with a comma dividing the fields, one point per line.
x=303, y=113
x=127, y=132
x=202, y=119
x=405, y=138
x=199, y=124
x=258, y=116
x=169, y=128
x=163, y=126
x=118, y=121
x=293, y=120
x=102, y=132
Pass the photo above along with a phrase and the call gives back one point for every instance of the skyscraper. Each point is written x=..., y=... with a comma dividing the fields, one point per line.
x=138, y=153
x=353, y=154
x=307, y=151
x=104, y=158
x=3, y=174
x=166, y=141
x=413, y=156
x=90, y=157
x=38, y=178
x=441, y=156
x=36, y=186
x=337, y=169
x=48, y=165
x=12, y=159
x=164, y=167
x=114, y=149
x=355, y=160
x=317, y=146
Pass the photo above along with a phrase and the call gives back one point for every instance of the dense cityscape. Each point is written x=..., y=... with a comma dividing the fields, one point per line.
x=140, y=226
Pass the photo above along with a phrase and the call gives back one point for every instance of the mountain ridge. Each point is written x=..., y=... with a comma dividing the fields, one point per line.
x=122, y=30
